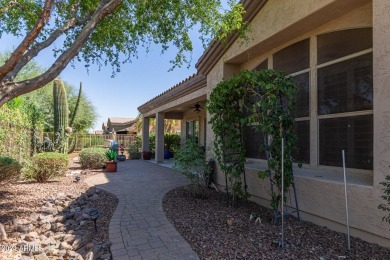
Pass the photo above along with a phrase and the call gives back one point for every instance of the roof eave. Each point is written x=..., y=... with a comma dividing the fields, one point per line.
x=216, y=49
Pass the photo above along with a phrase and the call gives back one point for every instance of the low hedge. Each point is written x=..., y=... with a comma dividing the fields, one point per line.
x=45, y=166
x=93, y=158
x=9, y=170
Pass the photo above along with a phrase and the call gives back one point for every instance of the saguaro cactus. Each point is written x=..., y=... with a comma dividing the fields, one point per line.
x=62, y=126
x=61, y=113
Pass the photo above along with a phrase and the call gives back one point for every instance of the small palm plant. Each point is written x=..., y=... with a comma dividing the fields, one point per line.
x=111, y=155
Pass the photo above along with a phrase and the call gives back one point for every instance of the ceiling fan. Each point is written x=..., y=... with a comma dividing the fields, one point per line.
x=197, y=107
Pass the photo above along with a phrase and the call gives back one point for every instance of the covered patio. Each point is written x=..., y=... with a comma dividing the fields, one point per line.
x=185, y=102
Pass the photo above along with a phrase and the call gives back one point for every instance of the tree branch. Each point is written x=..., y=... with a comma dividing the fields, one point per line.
x=9, y=90
x=30, y=37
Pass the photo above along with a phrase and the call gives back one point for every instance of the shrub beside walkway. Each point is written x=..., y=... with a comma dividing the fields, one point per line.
x=139, y=228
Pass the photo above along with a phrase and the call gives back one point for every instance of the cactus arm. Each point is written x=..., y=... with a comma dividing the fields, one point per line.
x=76, y=106
x=73, y=144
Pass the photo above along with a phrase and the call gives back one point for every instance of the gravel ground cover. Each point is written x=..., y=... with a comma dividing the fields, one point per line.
x=204, y=224
x=25, y=205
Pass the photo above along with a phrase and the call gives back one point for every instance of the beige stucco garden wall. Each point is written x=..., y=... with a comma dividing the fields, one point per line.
x=276, y=26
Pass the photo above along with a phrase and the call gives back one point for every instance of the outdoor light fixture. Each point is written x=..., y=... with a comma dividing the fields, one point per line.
x=94, y=214
x=196, y=107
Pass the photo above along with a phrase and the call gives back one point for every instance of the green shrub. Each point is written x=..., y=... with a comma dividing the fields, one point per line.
x=134, y=152
x=172, y=142
x=190, y=161
x=9, y=170
x=49, y=165
x=386, y=197
x=92, y=158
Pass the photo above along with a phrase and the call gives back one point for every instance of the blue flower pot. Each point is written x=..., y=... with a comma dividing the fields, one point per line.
x=167, y=155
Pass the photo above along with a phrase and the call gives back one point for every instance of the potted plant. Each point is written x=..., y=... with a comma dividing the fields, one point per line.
x=111, y=165
x=172, y=142
x=122, y=157
x=146, y=155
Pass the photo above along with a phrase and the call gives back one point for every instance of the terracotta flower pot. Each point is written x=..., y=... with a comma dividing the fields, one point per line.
x=146, y=155
x=111, y=166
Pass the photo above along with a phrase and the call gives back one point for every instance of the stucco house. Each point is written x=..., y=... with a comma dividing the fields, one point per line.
x=338, y=52
x=120, y=125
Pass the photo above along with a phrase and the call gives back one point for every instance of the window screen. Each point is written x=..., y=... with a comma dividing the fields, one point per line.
x=354, y=135
x=338, y=44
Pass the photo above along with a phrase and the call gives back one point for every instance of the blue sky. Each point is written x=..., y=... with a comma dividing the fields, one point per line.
x=137, y=82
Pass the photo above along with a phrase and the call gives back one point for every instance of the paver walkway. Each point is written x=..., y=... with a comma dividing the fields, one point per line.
x=139, y=228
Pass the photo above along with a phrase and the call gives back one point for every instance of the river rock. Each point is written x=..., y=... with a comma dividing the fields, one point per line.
x=74, y=255
x=106, y=256
x=66, y=246
x=107, y=245
x=3, y=234
x=89, y=256
x=32, y=236
x=24, y=228
x=69, y=239
x=89, y=246
x=57, y=227
x=49, y=211
x=34, y=217
x=20, y=221
x=80, y=242
x=95, y=197
x=41, y=256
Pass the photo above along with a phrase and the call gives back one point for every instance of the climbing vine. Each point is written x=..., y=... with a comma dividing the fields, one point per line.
x=266, y=100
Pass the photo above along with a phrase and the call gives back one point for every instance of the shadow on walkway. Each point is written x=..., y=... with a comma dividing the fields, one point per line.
x=139, y=228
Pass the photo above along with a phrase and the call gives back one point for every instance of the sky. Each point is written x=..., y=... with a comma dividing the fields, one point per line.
x=137, y=83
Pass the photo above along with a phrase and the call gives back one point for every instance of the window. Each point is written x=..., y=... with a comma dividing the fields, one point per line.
x=345, y=85
x=352, y=134
x=334, y=45
x=253, y=140
x=295, y=60
x=192, y=130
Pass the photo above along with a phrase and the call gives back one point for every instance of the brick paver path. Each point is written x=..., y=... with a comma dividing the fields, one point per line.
x=139, y=228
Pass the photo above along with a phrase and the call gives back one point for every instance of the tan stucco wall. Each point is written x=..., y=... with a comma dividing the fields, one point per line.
x=321, y=201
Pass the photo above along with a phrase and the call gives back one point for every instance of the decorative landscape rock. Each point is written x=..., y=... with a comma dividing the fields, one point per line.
x=3, y=234
x=61, y=228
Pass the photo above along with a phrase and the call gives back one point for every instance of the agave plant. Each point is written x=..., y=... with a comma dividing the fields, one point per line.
x=111, y=155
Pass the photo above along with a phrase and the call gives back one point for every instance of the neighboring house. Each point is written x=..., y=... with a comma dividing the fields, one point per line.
x=120, y=125
x=338, y=52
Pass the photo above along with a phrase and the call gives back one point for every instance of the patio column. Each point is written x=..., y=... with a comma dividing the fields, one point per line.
x=183, y=132
x=145, y=134
x=159, y=137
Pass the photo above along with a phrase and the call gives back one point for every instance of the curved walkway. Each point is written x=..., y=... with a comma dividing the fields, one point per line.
x=139, y=228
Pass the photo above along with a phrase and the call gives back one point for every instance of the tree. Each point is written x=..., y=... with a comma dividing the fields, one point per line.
x=40, y=101
x=103, y=32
